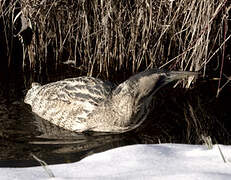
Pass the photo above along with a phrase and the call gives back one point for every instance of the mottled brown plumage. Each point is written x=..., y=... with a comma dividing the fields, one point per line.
x=89, y=104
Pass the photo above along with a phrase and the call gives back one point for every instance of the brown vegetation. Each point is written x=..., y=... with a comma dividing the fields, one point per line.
x=107, y=37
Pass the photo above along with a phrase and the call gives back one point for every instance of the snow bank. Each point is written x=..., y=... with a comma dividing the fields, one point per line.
x=159, y=161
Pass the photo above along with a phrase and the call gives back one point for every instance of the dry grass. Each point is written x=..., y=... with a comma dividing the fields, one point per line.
x=104, y=37
x=7, y=9
x=44, y=165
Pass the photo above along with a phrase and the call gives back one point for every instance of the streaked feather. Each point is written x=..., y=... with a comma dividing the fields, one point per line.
x=86, y=103
x=68, y=103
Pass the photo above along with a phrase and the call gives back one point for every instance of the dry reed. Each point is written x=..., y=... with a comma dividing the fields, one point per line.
x=105, y=37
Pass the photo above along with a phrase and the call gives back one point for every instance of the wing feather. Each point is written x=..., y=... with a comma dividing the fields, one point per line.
x=69, y=102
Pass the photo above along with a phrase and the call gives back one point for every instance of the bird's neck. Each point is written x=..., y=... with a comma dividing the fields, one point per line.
x=113, y=115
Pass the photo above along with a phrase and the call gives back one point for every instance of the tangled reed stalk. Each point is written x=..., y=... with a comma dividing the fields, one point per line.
x=104, y=37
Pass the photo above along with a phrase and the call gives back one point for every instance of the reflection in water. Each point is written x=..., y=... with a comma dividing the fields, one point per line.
x=22, y=133
x=178, y=117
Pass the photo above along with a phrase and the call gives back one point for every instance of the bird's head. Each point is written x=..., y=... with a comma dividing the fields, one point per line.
x=145, y=84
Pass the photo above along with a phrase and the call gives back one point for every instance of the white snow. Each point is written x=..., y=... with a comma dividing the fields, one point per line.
x=157, y=161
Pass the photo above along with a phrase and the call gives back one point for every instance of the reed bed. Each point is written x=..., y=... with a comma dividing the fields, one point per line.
x=108, y=37
x=7, y=9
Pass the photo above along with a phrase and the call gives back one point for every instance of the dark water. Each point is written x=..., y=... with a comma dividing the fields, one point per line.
x=24, y=133
x=179, y=116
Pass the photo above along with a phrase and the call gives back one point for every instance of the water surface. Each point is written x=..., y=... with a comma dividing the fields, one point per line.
x=179, y=116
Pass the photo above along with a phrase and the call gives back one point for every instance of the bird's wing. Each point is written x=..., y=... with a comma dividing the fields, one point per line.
x=77, y=89
x=69, y=101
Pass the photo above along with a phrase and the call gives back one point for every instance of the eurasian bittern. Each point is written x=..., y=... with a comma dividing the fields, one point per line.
x=89, y=104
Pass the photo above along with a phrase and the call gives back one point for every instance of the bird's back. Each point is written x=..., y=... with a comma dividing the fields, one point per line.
x=69, y=102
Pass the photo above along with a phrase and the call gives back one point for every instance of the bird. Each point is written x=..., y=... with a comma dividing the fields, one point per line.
x=89, y=104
